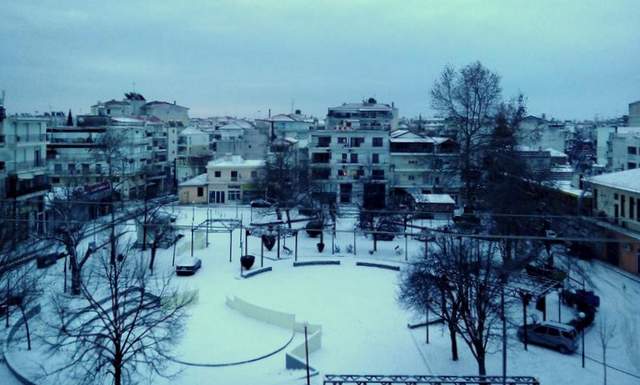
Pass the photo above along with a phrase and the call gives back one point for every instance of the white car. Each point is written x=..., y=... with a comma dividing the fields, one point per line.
x=188, y=265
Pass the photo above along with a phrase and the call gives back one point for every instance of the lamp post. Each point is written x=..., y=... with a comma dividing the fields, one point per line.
x=306, y=352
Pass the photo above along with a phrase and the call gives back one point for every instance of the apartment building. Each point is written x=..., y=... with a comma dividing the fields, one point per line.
x=23, y=173
x=134, y=104
x=421, y=164
x=79, y=155
x=296, y=126
x=349, y=156
x=193, y=153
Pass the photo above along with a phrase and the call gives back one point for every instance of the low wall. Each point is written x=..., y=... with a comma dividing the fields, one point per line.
x=253, y=273
x=378, y=265
x=7, y=357
x=315, y=263
x=294, y=359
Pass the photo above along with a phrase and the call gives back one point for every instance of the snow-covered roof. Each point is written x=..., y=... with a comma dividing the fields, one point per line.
x=235, y=161
x=433, y=198
x=362, y=107
x=121, y=119
x=628, y=180
x=406, y=136
x=192, y=131
x=163, y=103
x=199, y=180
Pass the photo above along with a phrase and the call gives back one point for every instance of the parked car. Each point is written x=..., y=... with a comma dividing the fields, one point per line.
x=583, y=320
x=559, y=336
x=261, y=203
x=188, y=265
x=581, y=299
x=386, y=230
x=47, y=260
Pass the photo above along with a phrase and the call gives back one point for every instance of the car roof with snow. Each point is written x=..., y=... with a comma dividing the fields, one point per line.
x=558, y=325
x=187, y=260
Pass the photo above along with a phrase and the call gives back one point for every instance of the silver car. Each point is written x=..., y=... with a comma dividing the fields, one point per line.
x=555, y=335
x=188, y=265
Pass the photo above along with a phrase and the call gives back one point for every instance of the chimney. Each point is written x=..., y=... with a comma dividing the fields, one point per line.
x=174, y=102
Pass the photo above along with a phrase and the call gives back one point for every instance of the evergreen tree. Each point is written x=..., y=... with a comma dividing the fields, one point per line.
x=69, y=119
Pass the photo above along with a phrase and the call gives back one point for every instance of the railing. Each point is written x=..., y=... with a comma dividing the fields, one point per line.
x=25, y=165
x=21, y=190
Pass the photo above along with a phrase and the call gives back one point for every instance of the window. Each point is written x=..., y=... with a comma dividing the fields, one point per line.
x=98, y=168
x=344, y=158
x=631, y=165
x=1, y=165
x=377, y=174
x=200, y=191
x=217, y=174
x=622, y=214
x=341, y=172
x=254, y=174
x=360, y=172
x=632, y=150
x=354, y=158
x=375, y=158
x=342, y=140
x=356, y=141
x=377, y=142
x=554, y=332
x=57, y=168
x=234, y=195
x=55, y=180
x=632, y=207
x=72, y=168
x=234, y=176
x=411, y=177
x=85, y=168
x=595, y=198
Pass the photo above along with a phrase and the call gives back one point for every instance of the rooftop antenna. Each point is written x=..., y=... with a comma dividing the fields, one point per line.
x=292, y=103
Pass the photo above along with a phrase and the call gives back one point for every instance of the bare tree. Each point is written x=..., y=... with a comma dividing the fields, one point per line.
x=126, y=323
x=21, y=290
x=468, y=97
x=469, y=282
x=424, y=286
x=69, y=229
x=284, y=178
x=606, y=332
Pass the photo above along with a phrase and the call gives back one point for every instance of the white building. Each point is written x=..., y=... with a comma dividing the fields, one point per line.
x=229, y=180
x=349, y=156
x=296, y=126
x=619, y=147
x=423, y=164
x=134, y=105
x=540, y=133
x=193, y=153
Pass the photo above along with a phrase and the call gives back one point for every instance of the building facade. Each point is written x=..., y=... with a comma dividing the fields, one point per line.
x=616, y=203
x=423, y=164
x=349, y=156
x=23, y=173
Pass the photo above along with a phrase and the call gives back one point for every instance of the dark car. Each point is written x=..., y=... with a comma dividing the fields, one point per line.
x=558, y=336
x=47, y=260
x=385, y=231
x=581, y=299
x=188, y=265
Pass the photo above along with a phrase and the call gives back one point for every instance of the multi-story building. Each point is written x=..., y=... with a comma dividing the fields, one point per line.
x=134, y=104
x=618, y=148
x=538, y=132
x=349, y=156
x=296, y=126
x=23, y=173
x=423, y=164
x=78, y=155
x=193, y=153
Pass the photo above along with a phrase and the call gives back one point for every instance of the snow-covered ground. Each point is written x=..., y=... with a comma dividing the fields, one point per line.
x=364, y=328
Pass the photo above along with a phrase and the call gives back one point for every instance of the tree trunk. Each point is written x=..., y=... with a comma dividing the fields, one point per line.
x=482, y=368
x=154, y=248
x=454, y=342
x=26, y=327
x=75, y=276
x=288, y=214
x=117, y=371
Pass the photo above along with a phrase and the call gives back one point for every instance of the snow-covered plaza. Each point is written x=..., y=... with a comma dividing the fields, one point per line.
x=363, y=327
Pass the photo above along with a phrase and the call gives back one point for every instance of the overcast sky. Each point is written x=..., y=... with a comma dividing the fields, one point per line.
x=572, y=59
